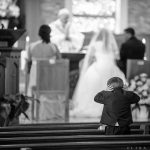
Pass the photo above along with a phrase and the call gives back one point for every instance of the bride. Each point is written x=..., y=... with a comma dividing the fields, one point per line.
x=98, y=66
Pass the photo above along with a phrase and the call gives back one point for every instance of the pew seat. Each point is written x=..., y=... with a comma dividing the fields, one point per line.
x=56, y=127
x=66, y=126
x=92, y=145
x=58, y=133
x=71, y=138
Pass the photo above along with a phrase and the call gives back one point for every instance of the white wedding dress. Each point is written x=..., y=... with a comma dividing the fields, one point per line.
x=93, y=79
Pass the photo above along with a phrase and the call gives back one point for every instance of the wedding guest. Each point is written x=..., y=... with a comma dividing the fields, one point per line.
x=64, y=34
x=41, y=49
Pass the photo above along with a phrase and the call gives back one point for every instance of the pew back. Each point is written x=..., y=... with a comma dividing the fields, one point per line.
x=136, y=67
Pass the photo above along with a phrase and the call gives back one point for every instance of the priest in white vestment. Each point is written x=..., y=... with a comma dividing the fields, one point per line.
x=64, y=34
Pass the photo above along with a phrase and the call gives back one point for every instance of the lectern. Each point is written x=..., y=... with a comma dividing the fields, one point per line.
x=9, y=61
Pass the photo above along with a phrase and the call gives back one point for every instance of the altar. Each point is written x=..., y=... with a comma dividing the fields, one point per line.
x=9, y=64
x=9, y=61
x=74, y=61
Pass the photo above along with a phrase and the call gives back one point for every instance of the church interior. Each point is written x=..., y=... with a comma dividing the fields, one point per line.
x=56, y=56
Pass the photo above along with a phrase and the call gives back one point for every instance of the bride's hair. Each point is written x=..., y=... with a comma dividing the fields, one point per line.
x=107, y=38
x=109, y=44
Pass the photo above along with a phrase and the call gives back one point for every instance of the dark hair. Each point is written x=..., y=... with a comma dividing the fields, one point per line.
x=130, y=30
x=44, y=33
x=115, y=83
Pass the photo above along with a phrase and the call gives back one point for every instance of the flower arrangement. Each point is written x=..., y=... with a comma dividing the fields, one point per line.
x=140, y=84
x=11, y=106
x=8, y=8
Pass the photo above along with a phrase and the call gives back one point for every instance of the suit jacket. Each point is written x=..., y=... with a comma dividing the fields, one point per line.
x=131, y=49
x=116, y=106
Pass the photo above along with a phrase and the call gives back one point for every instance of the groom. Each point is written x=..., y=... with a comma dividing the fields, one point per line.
x=132, y=48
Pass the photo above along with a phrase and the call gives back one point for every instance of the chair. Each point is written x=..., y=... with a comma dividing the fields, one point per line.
x=52, y=89
x=136, y=67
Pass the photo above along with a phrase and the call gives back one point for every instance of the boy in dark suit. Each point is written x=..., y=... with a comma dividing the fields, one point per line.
x=116, y=116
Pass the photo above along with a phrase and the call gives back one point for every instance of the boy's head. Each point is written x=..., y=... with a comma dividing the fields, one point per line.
x=115, y=83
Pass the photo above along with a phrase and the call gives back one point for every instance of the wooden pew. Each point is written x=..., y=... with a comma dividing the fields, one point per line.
x=58, y=133
x=42, y=128
x=72, y=138
x=50, y=127
x=91, y=145
x=64, y=126
x=68, y=139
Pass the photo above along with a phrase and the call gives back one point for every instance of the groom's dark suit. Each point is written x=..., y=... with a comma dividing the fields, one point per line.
x=116, y=106
x=131, y=49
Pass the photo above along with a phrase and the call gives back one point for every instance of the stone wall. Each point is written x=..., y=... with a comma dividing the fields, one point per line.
x=139, y=15
x=49, y=9
x=45, y=11
x=40, y=12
